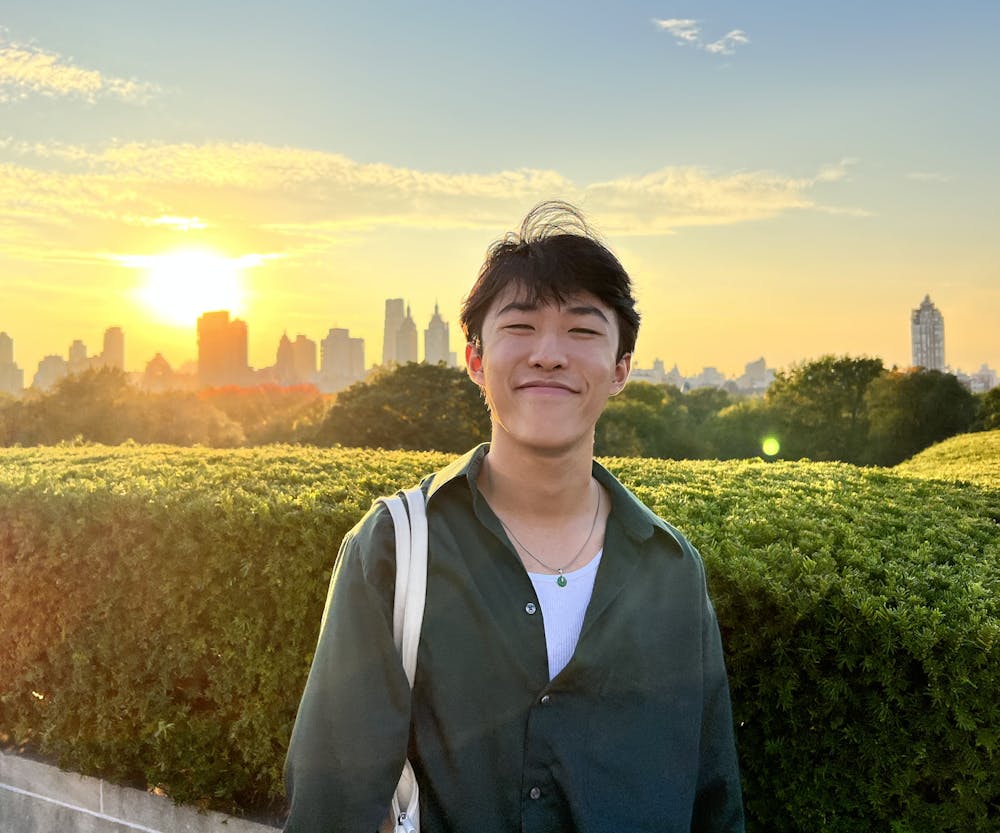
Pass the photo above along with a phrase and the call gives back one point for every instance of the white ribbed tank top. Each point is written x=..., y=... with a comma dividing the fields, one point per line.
x=563, y=609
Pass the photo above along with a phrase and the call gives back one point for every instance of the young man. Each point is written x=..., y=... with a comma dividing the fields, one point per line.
x=570, y=673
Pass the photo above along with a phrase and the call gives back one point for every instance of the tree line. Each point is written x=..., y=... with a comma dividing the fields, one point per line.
x=834, y=408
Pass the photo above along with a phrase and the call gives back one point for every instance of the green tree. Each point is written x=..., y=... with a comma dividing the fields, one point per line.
x=739, y=431
x=419, y=407
x=703, y=403
x=989, y=410
x=647, y=420
x=822, y=408
x=271, y=413
x=101, y=406
x=912, y=410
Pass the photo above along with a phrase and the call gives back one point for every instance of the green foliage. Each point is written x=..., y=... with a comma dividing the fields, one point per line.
x=739, y=430
x=974, y=458
x=989, y=410
x=646, y=420
x=822, y=406
x=412, y=406
x=271, y=413
x=914, y=409
x=101, y=406
x=159, y=608
x=651, y=420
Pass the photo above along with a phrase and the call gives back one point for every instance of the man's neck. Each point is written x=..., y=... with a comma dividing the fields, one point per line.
x=536, y=485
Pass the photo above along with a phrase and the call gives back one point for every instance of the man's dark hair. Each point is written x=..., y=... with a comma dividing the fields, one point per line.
x=554, y=256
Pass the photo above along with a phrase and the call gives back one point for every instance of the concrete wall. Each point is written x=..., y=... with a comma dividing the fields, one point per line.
x=38, y=798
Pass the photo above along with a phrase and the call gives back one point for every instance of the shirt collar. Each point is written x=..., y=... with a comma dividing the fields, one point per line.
x=637, y=519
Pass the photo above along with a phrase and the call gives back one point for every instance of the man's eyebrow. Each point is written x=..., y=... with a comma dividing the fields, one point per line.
x=518, y=306
x=580, y=309
x=588, y=310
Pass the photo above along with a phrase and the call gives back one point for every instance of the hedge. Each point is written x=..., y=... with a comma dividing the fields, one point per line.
x=159, y=607
x=974, y=458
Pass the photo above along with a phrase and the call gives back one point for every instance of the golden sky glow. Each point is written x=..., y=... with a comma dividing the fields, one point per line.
x=771, y=181
x=181, y=285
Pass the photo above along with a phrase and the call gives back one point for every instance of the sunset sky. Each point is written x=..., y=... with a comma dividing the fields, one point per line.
x=781, y=179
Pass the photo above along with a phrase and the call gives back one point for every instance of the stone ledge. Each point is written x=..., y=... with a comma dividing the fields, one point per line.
x=40, y=798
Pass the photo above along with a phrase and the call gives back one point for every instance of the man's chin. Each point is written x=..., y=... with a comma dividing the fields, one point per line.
x=545, y=443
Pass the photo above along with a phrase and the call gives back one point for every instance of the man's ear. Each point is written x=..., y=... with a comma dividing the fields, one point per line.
x=474, y=364
x=622, y=369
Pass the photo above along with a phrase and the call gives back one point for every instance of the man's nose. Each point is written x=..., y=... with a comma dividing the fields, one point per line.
x=548, y=350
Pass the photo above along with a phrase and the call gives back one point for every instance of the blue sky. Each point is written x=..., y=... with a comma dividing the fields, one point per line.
x=781, y=179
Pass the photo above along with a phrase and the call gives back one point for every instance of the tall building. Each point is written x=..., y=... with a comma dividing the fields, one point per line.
x=113, y=354
x=406, y=340
x=284, y=363
x=304, y=359
x=6, y=349
x=78, y=361
x=437, y=340
x=342, y=361
x=927, y=336
x=50, y=370
x=296, y=361
x=393, y=321
x=222, y=350
x=11, y=376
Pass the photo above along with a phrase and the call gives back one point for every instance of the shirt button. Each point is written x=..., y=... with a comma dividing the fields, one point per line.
x=535, y=792
x=530, y=608
x=546, y=699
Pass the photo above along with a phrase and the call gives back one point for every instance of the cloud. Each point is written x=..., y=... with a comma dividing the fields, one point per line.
x=57, y=200
x=726, y=45
x=27, y=70
x=687, y=32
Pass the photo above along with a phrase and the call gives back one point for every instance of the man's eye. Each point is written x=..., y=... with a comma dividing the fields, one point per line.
x=585, y=331
x=522, y=327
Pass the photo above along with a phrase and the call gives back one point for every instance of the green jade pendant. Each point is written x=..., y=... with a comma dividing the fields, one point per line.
x=561, y=581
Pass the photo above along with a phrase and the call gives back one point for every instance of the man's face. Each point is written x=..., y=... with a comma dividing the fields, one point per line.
x=547, y=369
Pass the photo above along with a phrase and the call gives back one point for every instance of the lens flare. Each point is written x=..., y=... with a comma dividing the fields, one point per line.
x=770, y=446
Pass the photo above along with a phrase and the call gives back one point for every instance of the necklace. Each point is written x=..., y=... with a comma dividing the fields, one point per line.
x=561, y=581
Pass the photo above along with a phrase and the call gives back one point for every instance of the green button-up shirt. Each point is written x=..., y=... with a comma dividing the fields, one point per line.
x=635, y=734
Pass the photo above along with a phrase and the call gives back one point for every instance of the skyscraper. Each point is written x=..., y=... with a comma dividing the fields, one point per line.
x=284, y=365
x=222, y=350
x=11, y=376
x=393, y=320
x=406, y=340
x=927, y=336
x=78, y=361
x=304, y=358
x=436, y=340
x=113, y=354
x=342, y=360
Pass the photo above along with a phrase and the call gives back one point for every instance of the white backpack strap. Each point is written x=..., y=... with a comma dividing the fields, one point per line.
x=402, y=524
x=408, y=613
x=416, y=586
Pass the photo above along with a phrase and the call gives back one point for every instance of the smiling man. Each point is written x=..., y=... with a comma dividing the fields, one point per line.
x=570, y=674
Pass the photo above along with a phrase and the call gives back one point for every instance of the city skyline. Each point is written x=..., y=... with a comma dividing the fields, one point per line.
x=223, y=359
x=779, y=180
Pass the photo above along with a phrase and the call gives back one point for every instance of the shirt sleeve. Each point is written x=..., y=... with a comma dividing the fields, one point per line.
x=350, y=736
x=719, y=798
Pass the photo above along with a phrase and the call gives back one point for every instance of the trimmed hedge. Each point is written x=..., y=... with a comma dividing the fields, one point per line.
x=159, y=607
x=971, y=457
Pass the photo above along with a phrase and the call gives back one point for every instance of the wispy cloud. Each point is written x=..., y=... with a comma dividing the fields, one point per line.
x=726, y=45
x=683, y=30
x=285, y=201
x=27, y=70
x=687, y=32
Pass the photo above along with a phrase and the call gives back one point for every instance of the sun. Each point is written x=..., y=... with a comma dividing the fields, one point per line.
x=182, y=285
